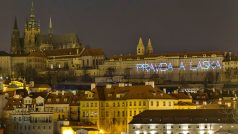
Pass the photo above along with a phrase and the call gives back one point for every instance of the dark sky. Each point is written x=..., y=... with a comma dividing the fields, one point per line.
x=115, y=25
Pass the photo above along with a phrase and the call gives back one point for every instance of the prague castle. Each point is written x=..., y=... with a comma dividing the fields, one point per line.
x=34, y=40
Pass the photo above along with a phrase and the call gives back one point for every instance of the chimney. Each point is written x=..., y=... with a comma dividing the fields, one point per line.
x=32, y=83
x=108, y=86
x=77, y=51
x=221, y=91
x=151, y=83
x=93, y=85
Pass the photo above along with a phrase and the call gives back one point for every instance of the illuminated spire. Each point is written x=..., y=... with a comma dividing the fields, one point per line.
x=140, y=42
x=50, y=27
x=32, y=10
x=149, y=48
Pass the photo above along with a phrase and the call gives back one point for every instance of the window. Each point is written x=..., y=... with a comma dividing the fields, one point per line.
x=164, y=104
x=118, y=104
x=144, y=103
x=157, y=103
x=130, y=113
x=134, y=113
x=87, y=62
x=151, y=103
x=135, y=103
x=123, y=113
x=130, y=104
x=118, y=114
x=139, y=103
x=107, y=113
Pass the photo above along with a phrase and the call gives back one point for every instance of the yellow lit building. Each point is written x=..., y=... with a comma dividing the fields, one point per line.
x=113, y=107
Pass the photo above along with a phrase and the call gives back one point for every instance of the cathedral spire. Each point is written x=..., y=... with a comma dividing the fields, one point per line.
x=149, y=48
x=140, y=42
x=140, y=50
x=32, y=10
x=50, y=26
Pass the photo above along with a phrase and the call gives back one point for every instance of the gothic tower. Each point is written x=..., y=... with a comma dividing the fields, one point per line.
x=50, y=27
x=15, y=39
x=140, y=50
x=149, y=48
x=31, y=31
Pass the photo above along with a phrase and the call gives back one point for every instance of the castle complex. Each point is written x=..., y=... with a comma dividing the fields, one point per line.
x=34, y=40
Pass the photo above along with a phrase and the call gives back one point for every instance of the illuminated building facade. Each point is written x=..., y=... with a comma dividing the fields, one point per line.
x=26, y=115
x=113, y=107
x=175, y=67
x=5, y=64
x=185, y=66
x=183, y=122
x=81, y=61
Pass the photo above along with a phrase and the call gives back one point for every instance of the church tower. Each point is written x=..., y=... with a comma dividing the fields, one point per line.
x=50, y=27
x=31, y=31
x=149, y=48
x=15, y=39
x=140, y=50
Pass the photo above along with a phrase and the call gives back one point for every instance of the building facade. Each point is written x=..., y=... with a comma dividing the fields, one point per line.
x=113, y=107
x=212, y=121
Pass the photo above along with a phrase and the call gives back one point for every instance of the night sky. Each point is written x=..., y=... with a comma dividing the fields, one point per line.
x=115, y=25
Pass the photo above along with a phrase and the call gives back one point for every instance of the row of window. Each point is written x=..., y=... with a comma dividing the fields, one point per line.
x=32, y=119
x=29, y=127
x=57, y=100
x=135, y=103
x=170, y=127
